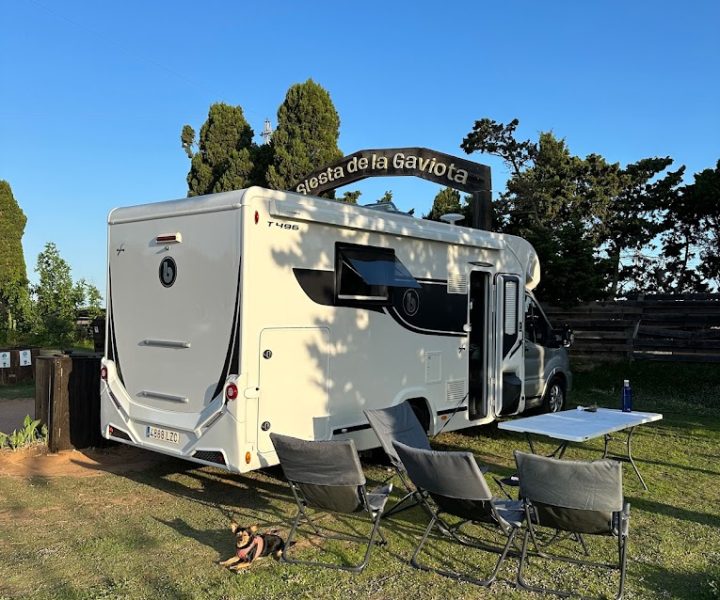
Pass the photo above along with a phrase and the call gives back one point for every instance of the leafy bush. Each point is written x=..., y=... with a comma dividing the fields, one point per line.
x=24, y=436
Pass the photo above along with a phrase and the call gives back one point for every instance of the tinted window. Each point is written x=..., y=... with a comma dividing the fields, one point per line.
x=368, y=274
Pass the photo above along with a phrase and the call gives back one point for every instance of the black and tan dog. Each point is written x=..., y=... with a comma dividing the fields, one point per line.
x=251, y=546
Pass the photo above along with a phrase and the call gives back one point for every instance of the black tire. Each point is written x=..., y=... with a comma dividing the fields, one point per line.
x=554, y=398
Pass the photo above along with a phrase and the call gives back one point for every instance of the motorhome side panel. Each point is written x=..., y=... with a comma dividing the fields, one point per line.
x=174, y=303
x=340, y=360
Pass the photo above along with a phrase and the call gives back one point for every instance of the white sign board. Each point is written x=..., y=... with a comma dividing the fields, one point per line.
x=4, y=360
x=25, y=358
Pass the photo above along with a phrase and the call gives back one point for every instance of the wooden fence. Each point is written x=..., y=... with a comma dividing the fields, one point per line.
x=658, y=327
x=16, y=372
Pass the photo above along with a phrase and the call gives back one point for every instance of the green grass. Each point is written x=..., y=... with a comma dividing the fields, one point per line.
x=19, y=390
x=157, y=534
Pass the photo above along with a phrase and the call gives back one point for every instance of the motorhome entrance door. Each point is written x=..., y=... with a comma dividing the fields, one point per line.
x=479, y=344
x=508, y=349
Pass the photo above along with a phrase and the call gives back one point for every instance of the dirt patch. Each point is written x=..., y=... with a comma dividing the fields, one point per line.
x=36, y=461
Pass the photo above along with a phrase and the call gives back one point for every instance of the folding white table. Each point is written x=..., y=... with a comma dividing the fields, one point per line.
x=581, y=425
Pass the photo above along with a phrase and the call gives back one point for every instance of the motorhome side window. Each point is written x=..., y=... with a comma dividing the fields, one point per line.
x=537, y=327
x=511, y=332
x=368, y=274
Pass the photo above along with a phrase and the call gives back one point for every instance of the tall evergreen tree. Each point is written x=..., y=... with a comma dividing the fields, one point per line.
x=14, y=298
x=306, y=135
x=447, y=201
x=223, y=160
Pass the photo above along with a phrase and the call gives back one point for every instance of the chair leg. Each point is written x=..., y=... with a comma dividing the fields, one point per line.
x=353, y=568
x=522, y=582
x=406, y=502
x=622, y=544
x=435, y=522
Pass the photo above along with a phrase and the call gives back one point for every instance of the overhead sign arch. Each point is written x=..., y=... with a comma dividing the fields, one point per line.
x=438, y=167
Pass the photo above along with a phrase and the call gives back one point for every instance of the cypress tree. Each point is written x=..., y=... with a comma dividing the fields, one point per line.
x=224, y=158
x=306, y=136
x=14, y=296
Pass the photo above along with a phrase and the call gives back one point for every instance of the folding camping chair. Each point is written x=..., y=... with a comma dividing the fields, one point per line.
x=576, y=497
x=327, y=476
x=457, y=486
x=399, y=424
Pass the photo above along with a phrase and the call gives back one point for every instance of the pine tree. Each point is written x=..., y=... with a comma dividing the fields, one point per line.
x=306, y=136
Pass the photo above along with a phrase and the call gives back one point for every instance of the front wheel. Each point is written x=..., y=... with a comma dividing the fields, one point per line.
x=554, y=398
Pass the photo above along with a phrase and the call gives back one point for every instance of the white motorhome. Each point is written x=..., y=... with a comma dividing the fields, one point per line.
x=235, y=315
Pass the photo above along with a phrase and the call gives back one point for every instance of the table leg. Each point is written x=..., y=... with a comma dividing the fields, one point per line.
x=560, y=450
x=630, y=458
x=530, y=443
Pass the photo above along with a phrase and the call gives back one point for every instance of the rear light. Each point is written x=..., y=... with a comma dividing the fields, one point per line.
x=118, y=434
x=231, y=391
x=103, y=373
x=257, y=217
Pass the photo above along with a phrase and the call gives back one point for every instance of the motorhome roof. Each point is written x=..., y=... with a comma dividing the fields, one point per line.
x=295, y=206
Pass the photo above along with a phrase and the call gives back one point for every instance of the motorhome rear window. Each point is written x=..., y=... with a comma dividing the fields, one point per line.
x=367, y=273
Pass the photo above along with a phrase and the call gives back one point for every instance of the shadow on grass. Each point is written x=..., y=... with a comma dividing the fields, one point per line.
x=669, y=583
x=652, y=507
x=219, y=540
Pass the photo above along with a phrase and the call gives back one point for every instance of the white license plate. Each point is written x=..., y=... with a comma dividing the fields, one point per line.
x=163, y=435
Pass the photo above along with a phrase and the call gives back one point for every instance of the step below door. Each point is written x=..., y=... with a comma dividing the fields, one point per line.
x=294, y=372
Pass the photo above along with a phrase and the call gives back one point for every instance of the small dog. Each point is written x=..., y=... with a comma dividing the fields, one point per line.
x=251, y=546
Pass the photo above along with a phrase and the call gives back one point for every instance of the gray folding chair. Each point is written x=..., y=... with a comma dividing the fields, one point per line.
x=327, y=476
x=399, y=424
x=457, y=486
x=575, y=497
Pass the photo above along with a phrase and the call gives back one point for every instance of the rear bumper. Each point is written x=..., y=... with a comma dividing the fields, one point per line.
x=211, y=437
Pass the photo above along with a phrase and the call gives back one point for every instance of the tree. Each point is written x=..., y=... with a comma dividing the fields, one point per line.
x=705, y=194
x=447, y=201
x=56, y=298
x=386, y=197
x=306, y=135
x=636, y=215
x=556, y=205
x=490, y=137
x=691, y=244
x=618, y=213
x=223, y=160
x=14, y=297
x=350, y=197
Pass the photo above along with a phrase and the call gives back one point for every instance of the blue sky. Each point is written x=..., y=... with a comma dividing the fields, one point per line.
x=94, y=94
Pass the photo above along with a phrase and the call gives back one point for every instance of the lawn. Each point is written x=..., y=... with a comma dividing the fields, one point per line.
x=157, y=533
x=20, y=390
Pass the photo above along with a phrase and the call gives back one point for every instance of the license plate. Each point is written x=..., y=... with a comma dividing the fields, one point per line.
x=162, y=435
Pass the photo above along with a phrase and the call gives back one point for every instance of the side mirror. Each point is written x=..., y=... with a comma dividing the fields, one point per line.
x=568, y=336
